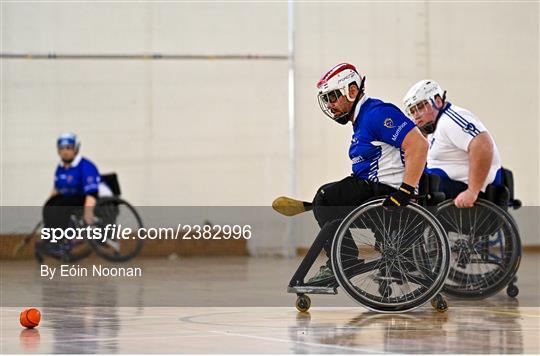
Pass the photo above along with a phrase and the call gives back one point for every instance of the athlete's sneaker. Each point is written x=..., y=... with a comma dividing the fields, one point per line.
x=325, y=273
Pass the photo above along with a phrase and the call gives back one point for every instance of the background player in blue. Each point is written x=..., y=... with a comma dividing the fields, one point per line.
x=461, y=151
x=388, y=153
x=76, y=184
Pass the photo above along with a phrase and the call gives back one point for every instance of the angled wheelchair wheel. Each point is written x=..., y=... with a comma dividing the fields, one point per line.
x=391, y=260
x=110, y=211
x=486, y=249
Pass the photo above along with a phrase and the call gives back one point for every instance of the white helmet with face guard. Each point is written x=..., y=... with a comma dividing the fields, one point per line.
x=422, y=93
x=335, y=83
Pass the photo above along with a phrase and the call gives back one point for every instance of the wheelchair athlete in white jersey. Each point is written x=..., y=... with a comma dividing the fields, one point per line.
x=484, y=237
x=462, y=152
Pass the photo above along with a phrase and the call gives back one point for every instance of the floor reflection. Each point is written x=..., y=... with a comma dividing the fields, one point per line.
x=462, y=330
x=78, y=326
x=29, y=340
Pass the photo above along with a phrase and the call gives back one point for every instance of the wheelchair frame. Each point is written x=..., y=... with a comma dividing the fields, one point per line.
x=298, y=286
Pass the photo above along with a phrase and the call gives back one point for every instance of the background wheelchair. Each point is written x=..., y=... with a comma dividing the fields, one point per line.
x=484, y=240
x=386, y=260
x=108, y=210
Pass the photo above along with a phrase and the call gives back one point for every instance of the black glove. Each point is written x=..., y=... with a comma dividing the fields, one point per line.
x=400, y=197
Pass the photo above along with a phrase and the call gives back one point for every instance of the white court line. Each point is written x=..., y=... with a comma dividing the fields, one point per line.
x=356, y=349
x=119, y=339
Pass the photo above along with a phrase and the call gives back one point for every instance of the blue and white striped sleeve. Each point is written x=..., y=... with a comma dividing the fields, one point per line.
x=462, y=127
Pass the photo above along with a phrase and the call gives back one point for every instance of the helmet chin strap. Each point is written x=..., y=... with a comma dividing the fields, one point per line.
x=345, y=118
x=430, y=127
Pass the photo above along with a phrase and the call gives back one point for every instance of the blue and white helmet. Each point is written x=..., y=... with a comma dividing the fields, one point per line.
x=68, y=139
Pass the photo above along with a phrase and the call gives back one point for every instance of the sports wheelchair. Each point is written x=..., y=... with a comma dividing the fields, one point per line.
x=484, y=241
x=110, y=210
x=386, y=260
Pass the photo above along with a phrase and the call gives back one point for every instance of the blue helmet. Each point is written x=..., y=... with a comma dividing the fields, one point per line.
x=68, y=139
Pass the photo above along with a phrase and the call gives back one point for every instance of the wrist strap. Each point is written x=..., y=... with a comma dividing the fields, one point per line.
x=407, y=189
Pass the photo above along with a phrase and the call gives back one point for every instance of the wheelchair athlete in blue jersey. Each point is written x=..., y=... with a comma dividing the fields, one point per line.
x=385, y=251
x=387, y=151
x=76, y=185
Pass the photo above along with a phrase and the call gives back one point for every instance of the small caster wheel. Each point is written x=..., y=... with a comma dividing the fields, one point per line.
x=303, y=303
x=512, y=290
x=38, y=254
x=39, y=258
x=441, y=306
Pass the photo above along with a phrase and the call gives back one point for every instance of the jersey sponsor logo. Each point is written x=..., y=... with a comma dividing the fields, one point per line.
x=469, y=128
x=357, y=159
x=400, y=127
x=388, y=123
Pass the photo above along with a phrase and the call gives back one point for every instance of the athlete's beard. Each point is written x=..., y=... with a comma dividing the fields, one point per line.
x=429, y=128
x=68, y=161
x=343, y=119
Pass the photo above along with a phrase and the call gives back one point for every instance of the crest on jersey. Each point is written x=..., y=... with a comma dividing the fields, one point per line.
x=388, y=123
x=469, y=128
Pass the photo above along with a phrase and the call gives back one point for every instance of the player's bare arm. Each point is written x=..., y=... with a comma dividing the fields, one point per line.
x=415, y=147
x=480, y=156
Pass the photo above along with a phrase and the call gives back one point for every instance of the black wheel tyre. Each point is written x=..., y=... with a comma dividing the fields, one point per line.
x=106, y=204
x=512, y=291
x=432, y=252
x=303, y=303
x=500, y=278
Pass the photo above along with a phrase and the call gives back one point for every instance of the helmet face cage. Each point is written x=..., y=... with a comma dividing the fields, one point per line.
x=330, y=97
x=419, y=107
x=422, y=93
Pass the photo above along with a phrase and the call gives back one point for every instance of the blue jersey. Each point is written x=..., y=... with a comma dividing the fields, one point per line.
x=80, y=178
x=375, y=152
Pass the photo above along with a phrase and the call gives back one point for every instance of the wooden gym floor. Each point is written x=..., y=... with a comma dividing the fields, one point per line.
x=239, y=305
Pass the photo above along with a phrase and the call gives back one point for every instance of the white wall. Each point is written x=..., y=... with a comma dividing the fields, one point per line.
x=214, y=132
x=177, y=132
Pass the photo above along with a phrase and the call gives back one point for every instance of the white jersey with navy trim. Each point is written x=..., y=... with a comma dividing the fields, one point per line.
x=448, y=145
